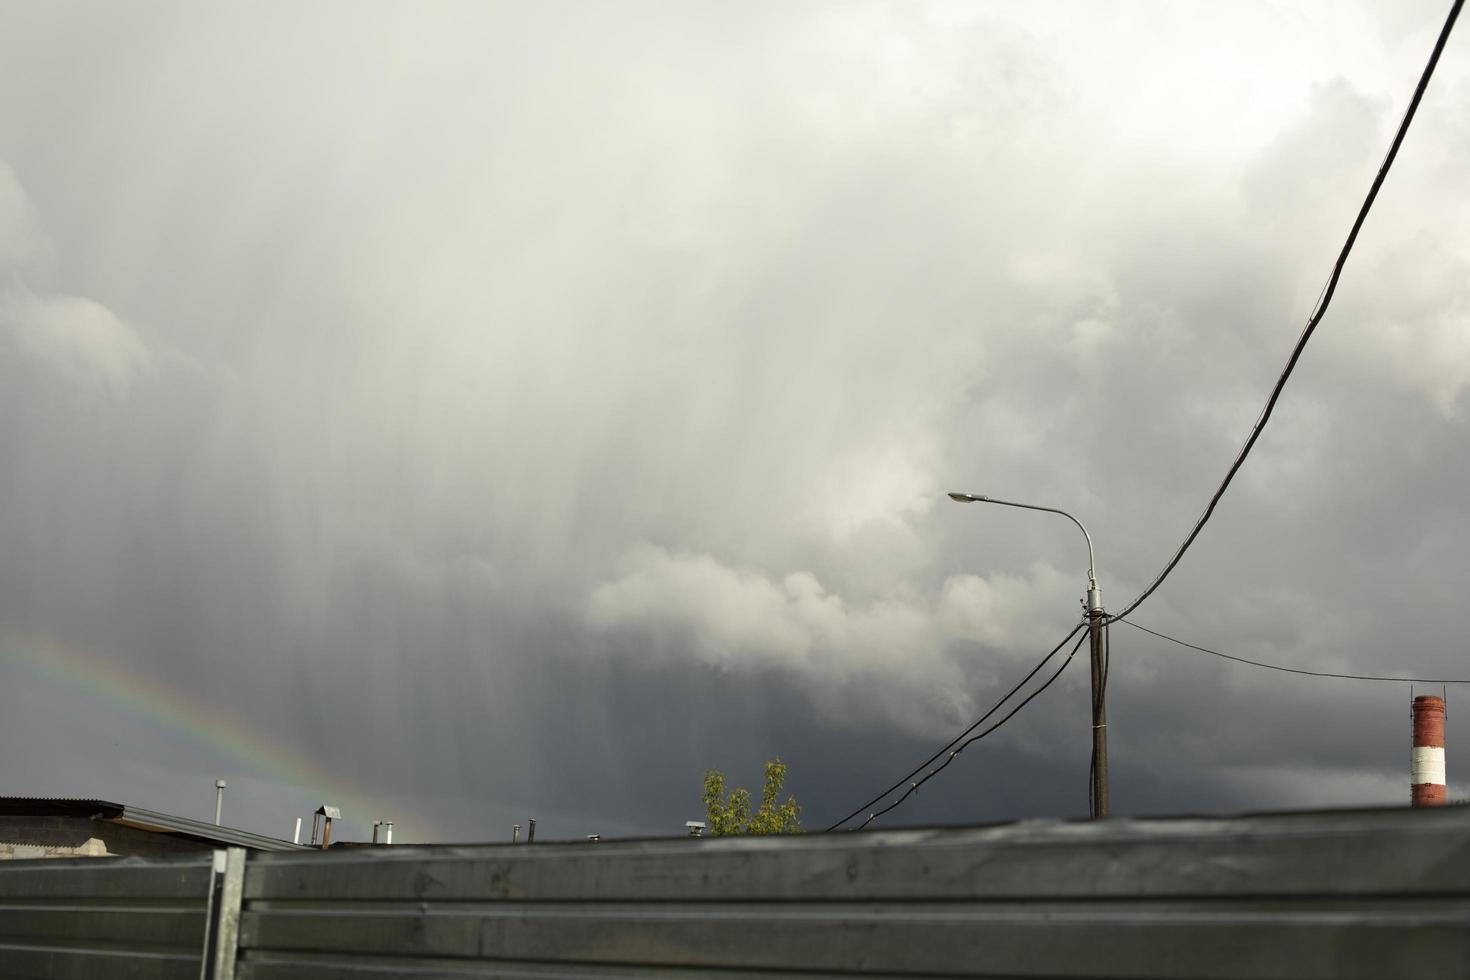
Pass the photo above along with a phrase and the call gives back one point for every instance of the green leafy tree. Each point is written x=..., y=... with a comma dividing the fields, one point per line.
x=730, y=813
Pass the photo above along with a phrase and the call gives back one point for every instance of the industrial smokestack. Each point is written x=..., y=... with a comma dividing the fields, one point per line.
x=1427, y=770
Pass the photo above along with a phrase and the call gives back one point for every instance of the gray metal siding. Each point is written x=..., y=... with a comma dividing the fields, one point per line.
x=1347, y=894
x=1354, y=894
x=945, y=940
x=100, y=917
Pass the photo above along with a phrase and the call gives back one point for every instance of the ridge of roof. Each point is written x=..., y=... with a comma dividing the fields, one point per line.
x=145, y=819
x=141, y=818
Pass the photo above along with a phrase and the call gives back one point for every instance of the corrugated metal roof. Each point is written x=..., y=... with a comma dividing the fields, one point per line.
x=142, y=819
x=136, y=816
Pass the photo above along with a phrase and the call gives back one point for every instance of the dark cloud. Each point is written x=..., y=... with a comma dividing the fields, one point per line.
x=512, y=414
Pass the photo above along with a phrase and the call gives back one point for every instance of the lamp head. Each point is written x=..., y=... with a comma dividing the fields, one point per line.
x=967, y=498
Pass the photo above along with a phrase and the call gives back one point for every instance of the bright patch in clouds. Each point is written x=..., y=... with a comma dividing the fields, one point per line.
x=81, y=341
x=592, y=374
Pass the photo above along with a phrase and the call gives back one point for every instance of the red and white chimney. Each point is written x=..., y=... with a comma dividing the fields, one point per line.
x=1427, y=769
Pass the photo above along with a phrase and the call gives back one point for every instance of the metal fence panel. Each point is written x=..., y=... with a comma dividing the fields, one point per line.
x=338, y=967
x=955, y=939
x=1346, y=894
x=1394, y=852
x=78, y=919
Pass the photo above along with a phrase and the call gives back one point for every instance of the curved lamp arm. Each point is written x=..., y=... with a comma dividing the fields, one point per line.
x=1094, y=595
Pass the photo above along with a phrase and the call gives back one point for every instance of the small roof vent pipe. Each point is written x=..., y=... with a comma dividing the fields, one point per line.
x=321, y=822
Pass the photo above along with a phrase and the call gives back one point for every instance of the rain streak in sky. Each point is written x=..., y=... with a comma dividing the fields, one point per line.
x=471, y=412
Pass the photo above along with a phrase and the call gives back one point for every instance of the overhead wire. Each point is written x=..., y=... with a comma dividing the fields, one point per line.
x=1324, y=300
x=954, y=753
x=976, y=724
x=1295, y=670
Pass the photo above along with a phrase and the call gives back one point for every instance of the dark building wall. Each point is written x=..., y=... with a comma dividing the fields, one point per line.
x=56, y=837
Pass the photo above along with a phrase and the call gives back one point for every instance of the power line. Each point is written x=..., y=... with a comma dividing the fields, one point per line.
x=951, y=743
x=1316, y=317
x=1295, y=670
x=1319, y=311
x=914, y=787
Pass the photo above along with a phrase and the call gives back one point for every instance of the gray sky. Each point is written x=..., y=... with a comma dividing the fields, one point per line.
x=468, y=412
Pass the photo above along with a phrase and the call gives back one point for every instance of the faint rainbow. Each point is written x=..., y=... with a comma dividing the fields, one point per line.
x=153, y=701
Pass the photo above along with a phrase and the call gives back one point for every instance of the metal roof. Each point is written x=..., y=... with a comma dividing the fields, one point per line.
x=136, y=816
x=141, y=818
x=33, y=806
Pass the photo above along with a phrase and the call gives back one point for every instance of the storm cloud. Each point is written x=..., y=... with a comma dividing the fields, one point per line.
x=476, y=412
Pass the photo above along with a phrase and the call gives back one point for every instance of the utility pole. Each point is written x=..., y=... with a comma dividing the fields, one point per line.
x=1096, y=621
x=1098, y=640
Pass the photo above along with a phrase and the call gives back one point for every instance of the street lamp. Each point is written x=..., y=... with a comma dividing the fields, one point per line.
x=1095, y=617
